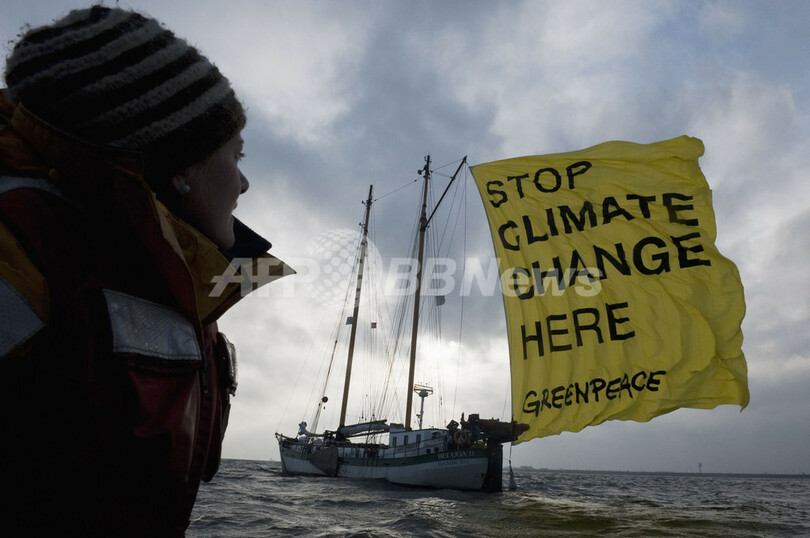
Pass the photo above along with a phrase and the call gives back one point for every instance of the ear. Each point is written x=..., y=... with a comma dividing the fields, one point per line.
x=179, y=184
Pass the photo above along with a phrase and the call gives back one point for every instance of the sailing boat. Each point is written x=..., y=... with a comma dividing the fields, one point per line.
x=465, y=455
x=618, y=307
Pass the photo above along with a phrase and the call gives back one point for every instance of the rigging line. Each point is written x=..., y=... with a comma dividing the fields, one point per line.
x=431, y=323
x=430, y=239
x=440, y=329
x=506, y=398
x=435, y=207
x=380, y=289
x=447, y=164
x=334, y=337
x=433, y=336
x=397, y=189
x=507, y=392
x=405, y=303
x=364, y=300
x=441, y=369
x=461, y=314
x=369, y=335
x=376, y=342
x=339, y=323
x=438, y=246
x=449, y=215
x=430, y=329
x=382, y=312
x=319, y=407
x=400, y=317
x=393, y=348
x=510, y=460
x=301, y=371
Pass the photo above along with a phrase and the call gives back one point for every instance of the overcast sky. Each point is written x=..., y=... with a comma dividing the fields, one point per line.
x=344, y=94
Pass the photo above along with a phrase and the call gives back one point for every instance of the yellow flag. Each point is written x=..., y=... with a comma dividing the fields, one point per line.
x=618, y=304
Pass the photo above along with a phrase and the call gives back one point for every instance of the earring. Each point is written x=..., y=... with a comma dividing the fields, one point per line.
x=186, y=189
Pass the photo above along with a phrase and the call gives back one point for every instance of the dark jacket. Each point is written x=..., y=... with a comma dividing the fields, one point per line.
x=115, y=381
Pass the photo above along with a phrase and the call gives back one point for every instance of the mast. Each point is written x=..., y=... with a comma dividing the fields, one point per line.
x=423, y=222
x=361, y=264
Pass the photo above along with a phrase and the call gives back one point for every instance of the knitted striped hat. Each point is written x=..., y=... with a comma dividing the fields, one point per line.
x=117, y=78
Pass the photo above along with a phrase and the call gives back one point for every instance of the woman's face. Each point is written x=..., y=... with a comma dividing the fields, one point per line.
x=214, y=185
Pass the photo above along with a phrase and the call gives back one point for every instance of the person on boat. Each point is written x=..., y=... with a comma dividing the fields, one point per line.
x=303, y=433
x=119, y=151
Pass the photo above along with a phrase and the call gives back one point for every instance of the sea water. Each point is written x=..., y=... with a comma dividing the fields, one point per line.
x=255, y=499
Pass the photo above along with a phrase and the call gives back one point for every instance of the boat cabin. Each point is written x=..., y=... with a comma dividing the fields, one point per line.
x=416, y=442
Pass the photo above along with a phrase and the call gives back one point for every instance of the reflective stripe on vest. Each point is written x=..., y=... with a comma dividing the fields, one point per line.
x=11, y=183
x=147, y=328
x=18, y=321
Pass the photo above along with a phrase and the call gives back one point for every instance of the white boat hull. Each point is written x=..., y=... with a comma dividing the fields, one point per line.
x=464, y=468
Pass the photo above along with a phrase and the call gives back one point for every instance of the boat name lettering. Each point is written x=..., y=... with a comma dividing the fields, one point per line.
x=448, y=463
x=454, y=454
x=576, y=394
